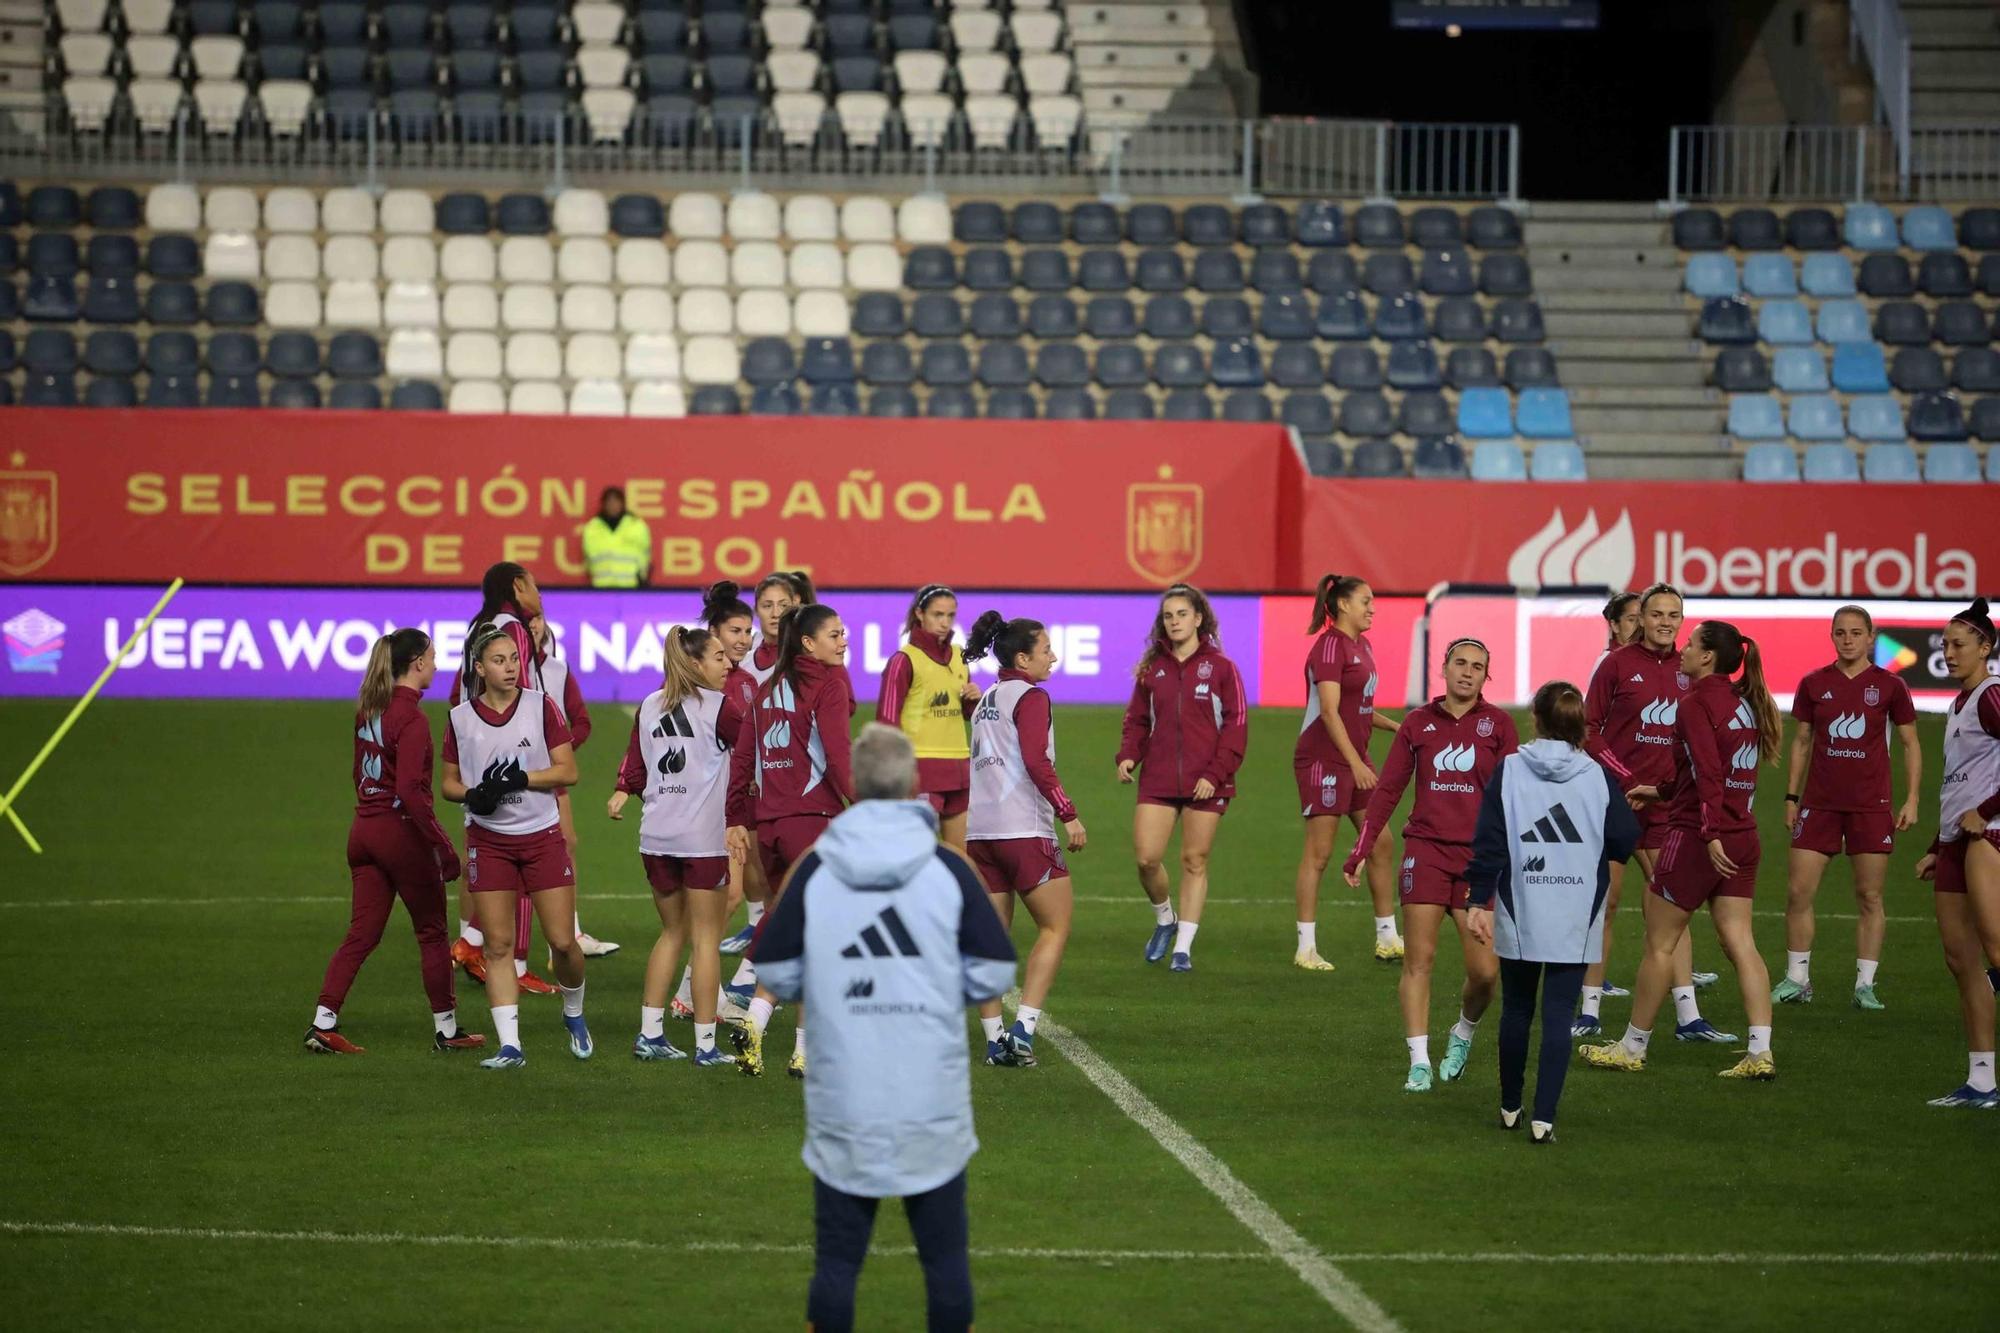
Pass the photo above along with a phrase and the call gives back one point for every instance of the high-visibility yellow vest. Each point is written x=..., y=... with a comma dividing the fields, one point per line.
x=933, y=717
x=617, y=557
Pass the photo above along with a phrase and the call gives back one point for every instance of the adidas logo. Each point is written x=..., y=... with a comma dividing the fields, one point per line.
x=1743, y=719
x=1660, y=712
x=861, y=988
x=1161, y=672
x=524, y=744
x=1555, y=826
x=1533, y=864
x=1429, y=727
x=871, y=943
x=1455, y=759
x=1848, y=727
x=1638, y=679
x=1827, y=695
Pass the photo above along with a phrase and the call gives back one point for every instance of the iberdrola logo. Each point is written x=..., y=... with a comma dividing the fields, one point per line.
x=1892, y=656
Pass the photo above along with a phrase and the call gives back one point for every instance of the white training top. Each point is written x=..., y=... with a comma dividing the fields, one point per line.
x=1004, y=800
x=484, y=750
x=687, y=777
x=749, y=662
x=1971, y=764
x=555, y=683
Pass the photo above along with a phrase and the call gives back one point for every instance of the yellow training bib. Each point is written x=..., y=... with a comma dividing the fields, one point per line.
x=933, y=718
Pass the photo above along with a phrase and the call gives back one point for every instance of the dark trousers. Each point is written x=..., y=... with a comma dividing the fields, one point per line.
x=843, y=1223
x=1559, y=984
x=388, y=859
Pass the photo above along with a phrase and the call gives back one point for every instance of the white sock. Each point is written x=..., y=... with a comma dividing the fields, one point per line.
x=760, y=1014
x=445, y=1021
x=1027, y=1018
x=1308, y=936
x=1636, y=1040
x=520, y=968
x=572, y=999
x=471, y=934
x=1385, y=927
x=1593, y=1000
x=994, y=1028
x=1163, y=914
x=1864, y=971
x=746, y=974
x=1686, y=1008
x=1760, y=1040
x=1184, y=936
x=799, y=1040
x=1979, y=1071
x=652, y=1022
x=1465, y=1029
x=507, y=1024
x=704, y=1036
x=686, y=992
x=1798, y=966
x=1420, y=1049
x=325, y=1018
x=756, y=914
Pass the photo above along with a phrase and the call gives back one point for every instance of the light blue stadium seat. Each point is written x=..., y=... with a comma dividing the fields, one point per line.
x=1784, y=322
x=1860, y=368
x=1485, y=414
x=1831, y=462
x=1756, y=416
x=1815, y=417
x=1827, y=275
x=1890, y=463
x=1951, y=463
x=1770, y=275
x=1710, y=275
x=1929, y=228
x=1770, y=462
x=1875, y=416
x=1869, y=227
x=1993, y=464
x=1498, y=460
x=1558, y=460
x=1843, y=322
x=1799, y=370
x=1543, y=414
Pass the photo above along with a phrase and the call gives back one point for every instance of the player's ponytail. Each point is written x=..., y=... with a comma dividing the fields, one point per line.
x=496, y=590
x=1332, y=591
x=1005, y=639
x=1736, y=651
x=1558, y=712
x=392, y=656
x=799, y=582
x=685, y=647
x=794, y=628
x=722, y=603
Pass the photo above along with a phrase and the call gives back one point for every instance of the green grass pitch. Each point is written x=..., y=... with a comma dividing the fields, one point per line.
x=161, y=961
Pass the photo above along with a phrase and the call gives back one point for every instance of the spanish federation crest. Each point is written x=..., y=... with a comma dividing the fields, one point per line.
x=1681, y=679
x=1205, y=670
x=1871, y=696
x=1163, y=528
x=1485, y=728
x=27, y=518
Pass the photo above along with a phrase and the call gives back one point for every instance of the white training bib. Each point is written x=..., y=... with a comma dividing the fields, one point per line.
x=555, y=684
x=749, y=662
x=485, y=750
x=1004, y=801
x=1971, y=765
x=687, y=777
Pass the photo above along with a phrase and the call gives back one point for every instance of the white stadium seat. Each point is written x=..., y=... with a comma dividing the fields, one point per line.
x=710, y=361
x=862, y=116
x=1047, y=74
x=471, y=305
x=597, y=21
x=591, y=356
x=597, y=398
x=152, y=57
x=695, y=217
x=533, y=356
x=609, y=111
x=603, y=66
x=921, y=71
x=800, y=117
x=290, y=209
x=230, y=254
x=791, y=71
x=659, y=400
x=1056, y=119
x=811, y=217
x=821, y=315
x=353, y=305
x=992, y=120
x=228, y=208
x=584, y=259
x=216, y=57
x=874, y=267
x=292, y=305
x=867, y=217
x=927, y=118
x=144, y=16
x=408, y=213
x=763, y=314
x=414, y=354
x=753, y=216
x=645, y=310
x=1036, y=31
x=410, y=305
x=467, y=259
x=348, y=210
x=924, y=219
x=292, y=258
x=983, y=74
x=472, y=356
x=589, y=309
x=816, y=265
x=652, y=356
x=974, y=30
x=286, y=103
x=409, y=259
x=582, y=213
x=757, y=264
x=89, y=99
x=351, y=259
x=705, y=310
x=536, y=398
x=479, y=396
x=86, y=54
x=701, y=264
x=527, y=305
x=219, y=102
x=156, y=103
x=786, y=29
x=81, y=15
x=643, y=262
x=527, y=259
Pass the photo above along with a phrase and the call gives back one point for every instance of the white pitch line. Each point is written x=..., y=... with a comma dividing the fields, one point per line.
x=568, y=1243
x=1912, y=1258
x=1314, y=1269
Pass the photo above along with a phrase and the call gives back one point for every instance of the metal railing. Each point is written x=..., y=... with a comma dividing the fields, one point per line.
x=1243, y=158
x=1777, y=163
x=1877, y=28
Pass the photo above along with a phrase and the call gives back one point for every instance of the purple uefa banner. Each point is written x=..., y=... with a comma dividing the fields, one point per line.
x=296, y=643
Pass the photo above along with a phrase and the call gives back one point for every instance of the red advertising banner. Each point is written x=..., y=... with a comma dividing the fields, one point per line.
x=344, y=498
x=1709, y=538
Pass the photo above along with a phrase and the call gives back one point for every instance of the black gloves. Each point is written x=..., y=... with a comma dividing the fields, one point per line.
x=483, y=799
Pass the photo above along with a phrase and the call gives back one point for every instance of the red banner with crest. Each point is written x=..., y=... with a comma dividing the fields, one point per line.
x=343, y=498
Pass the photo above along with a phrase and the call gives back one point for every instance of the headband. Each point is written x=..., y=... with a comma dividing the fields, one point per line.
x=1459, y=642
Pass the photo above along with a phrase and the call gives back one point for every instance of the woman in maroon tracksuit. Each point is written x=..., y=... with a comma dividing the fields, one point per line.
x=395, y=847
x=1185, y=729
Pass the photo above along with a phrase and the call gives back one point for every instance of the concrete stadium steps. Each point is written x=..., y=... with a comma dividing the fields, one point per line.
x=1156, y=59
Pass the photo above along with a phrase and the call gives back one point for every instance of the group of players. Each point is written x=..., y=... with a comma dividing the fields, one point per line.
x=741, y=758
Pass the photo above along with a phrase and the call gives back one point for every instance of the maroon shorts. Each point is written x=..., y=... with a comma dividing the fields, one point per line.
x=1685, y=877
x=1857, y=832
x=946, y=784
x=1433, y=874
x=1017, y=865
x=1950, y=873
x=949, y=804
x=782, y=842
x=1324, y=789
x=517, y=863
x=671, y=874
x=1214, y=805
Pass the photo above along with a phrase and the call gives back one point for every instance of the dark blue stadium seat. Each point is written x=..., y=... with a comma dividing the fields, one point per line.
x=1160, y=271
x=937, y=315
x=662, y=30
x=109, y=252
x=172, y=303
x=768, y=361
x=1003, y=365
x=995, y=315
x=1179, y=365
x=1378, y=226
x=1246, y=405
x=1264, y=224
x=347, y=66
x=49, y=352
x=56, y=207
x=1150, y=224
x=1110, y=317
x=1226, y=317
x=479, y=114
x=1052, y=316
x=1937, y=416
x=1740, y=370
x=48, y=390
x=827, y=361
x=403, y=24
x=355, y=396
x=1812, y=229
x=1471, y=368
x=834, y=400
x=1520, y=321
x=111, y=298
x=233, y=391
x=1401, y=317
x=1332, y=271
x=1979, y=229
x=1446, y=273
x=294, y=394
x=463, y=214
x=853, y=72
x=116, y=391
x=1364, y=415
x=1424, y=412
x=1069, y=405
x=173, y=390
x=738, y=74
x=173, y=257
x=50, y=300
x=1902, y=323
x=879, y=315
x=724, y=32
x=988, y=269
x=1286, y=316
x=1121, y=365
x=1459, y=319
x=1976, y=370
x=1342, y=317
x=1011, y=404
x=538, y=71
x=11, y=210
x=10, y=302
x=1493, y=228
x=666, y=72
x=1045, y=270
x=1436, y=228
x=1535, y=368
x=410, y=67
x=887, y=363
x=1297, y=365
x=342, y=23
x=1388, y=274
x=1945, y=275
x=292, y=353
x=113, y=208
x=470, y=27
x=1354, y=366
x=1308, y=413
x=1413, y=365
x=714, y=400
x=1438, y=459
x=1037, y=222
x=533, y=27
x=474, y=70
x=774, y=400
x=849, y=32
x=172, y=354
x=953, y=401
x=1885, y=275
x=945, y=364
x=1320, y=222
x=1755, y=229
x=930, y=268
x=1207, y=224
x=231, y=304
x=233, y=354
x=1324, y=457
x=637, y=215
x=1275, y=271
x=10, y=252
x=1218, y=271
x=1698, y=229
x=1237, y=364
x=1169, y=317
x=894, y=401
x=354, y=355
x=1187, y=405
x=1094, y=224
x=1128, y=405
x=53, y=254
x=110, y=352
x=1918, y=370
x=1984, y=422
x=1104, y=271
x=8, y=359
x=523, y=215
x=979, y=222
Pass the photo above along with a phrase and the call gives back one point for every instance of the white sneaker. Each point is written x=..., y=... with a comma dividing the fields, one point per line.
x=1310, y=960
x=594, y=947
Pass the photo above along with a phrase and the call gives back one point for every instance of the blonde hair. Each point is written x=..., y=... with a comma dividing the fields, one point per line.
x=392, y=656
x=685, y=647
